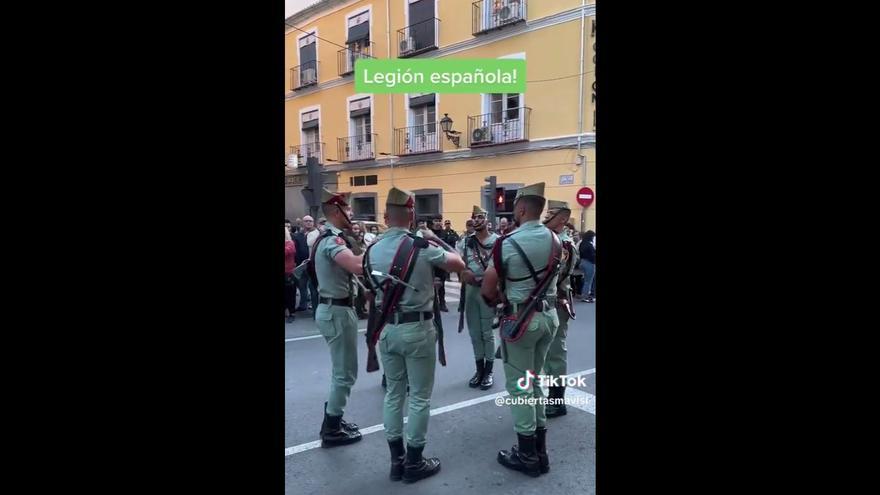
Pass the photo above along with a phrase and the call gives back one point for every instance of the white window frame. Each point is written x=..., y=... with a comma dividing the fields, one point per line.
x=310, y=32
x=348, y=118
x=302, y=134
x=406, y=22
x=354, y=13
x=485, y=98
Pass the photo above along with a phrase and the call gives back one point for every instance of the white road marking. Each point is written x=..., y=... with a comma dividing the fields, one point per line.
x=587, y=400
x=307, y=337
x=591, y=408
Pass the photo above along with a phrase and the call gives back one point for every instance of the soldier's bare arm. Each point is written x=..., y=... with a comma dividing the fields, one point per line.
x=452, y=263
x=349, y=262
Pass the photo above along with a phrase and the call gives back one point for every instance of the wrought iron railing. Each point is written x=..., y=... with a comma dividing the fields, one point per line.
x=346, y=58
x=425, y=138
x=507, y=126
x=355, y=148
x=495, y=14
x=304, y=151
x=304, y=75
x=417, y=38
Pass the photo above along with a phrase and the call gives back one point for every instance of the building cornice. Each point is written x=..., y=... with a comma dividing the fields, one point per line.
x=568, y=142
x=469, y=44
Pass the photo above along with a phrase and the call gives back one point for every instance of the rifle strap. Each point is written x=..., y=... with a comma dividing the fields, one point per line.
x=474, y=242
x=555, y=251
x=313, y=273
x=402, y=268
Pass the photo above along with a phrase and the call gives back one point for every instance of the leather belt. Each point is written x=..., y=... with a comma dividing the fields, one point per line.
x=344, y=301
x=399, y=318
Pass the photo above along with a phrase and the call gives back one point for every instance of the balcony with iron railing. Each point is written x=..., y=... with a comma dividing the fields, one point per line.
x=303, y=76
x=425, y=138
x=488, y=15
x=303, y=152
x=417, y=38
x=507, y=126
x=356, y=148
x=346, y=58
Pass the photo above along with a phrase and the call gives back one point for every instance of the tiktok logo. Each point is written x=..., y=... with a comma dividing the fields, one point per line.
x=525, y=382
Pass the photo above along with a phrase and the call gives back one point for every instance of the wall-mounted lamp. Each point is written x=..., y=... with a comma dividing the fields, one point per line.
x=446, y=125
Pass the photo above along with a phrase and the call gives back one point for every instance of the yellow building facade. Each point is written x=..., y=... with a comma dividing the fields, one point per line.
x=367, y=143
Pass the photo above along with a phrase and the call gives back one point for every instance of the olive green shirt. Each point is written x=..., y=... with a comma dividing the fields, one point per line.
x=382, y=254
x=333, y=280
x=469, y=255
x=535, y=240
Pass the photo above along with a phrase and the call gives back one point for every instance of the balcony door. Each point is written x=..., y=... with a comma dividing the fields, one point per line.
x=361, y=142
x=421, y=25
x=308, y=66
x=358, y=40
x=505, y=117
x=422, y=136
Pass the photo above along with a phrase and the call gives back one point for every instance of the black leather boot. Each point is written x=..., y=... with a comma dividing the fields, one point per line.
x=487, y=380
x=333, y=433
x=551, y=410
x=417, y=467
x=523, y=458
x=478, y=376
x=398, y=458
x=541, y=448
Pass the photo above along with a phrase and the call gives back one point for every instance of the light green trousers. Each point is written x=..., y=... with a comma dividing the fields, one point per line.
x=338, y=325
x=409, y=356
x=528, y=353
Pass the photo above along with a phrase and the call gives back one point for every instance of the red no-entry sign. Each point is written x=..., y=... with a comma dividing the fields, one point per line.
x=585, y=196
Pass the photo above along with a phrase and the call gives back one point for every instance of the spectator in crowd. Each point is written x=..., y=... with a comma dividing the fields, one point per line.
x=450, y=236
x=468, y=230
x=298, y=223
x=422, y=225
x=593, y=285
x=502, y=226
x=577, y=275
x=289, y=265
x=312, y=234
x=302, y=254
x=370, y=237
x=588, y=265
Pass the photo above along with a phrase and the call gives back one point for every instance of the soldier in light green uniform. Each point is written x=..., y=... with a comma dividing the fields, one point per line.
x=526, y=356
x=333, y=265
x=558, y=214
x=408, y=340
x=476, y=250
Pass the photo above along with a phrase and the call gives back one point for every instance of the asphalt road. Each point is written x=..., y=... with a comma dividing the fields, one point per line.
x=466, y=429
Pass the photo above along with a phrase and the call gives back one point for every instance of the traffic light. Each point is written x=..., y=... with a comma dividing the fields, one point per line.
x=499, y=199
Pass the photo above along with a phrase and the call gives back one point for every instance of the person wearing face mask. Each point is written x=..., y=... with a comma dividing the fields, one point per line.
x=332, y=265
x=476, y=252
x=522, y=278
